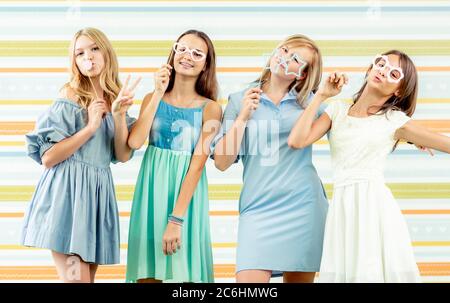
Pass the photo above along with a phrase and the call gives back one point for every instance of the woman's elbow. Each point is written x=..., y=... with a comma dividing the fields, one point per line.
x=295, y=144
x=123, y=159
x=134, y=144
x=220, y=164
x=47, y=161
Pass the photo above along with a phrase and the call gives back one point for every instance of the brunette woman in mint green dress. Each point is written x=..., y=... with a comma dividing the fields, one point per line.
x=169, y=235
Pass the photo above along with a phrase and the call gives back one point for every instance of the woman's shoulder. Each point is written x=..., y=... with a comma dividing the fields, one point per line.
x=67, y=97
x=212, y=106
x=397, y=115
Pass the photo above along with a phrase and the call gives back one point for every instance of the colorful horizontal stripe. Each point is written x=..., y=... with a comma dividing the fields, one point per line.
x=236, y=213
x=23, y=193
x=118, y=271
x=21, y=128
x=241, y=48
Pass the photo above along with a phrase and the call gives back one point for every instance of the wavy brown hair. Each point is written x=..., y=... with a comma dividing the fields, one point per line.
x=206, y=84
x=108, y=78
x=407, y=98
x=313, y=71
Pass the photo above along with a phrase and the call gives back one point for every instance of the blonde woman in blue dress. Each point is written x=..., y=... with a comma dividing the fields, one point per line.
x=282, y=206
x=73, y=211
x=169, y=236
x=366, y=236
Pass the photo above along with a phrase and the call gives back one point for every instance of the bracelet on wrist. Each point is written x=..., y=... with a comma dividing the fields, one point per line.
x=176, y=219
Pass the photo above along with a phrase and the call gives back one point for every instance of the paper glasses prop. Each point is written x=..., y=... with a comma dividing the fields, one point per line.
x=394, y=74
x=292, y=65
x=196, y=55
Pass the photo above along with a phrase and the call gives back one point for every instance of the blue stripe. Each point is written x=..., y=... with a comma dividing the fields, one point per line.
x=140, y=153
x=228, y=9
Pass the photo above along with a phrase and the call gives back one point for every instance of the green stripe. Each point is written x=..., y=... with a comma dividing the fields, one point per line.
x=132, y=48
x=21, y=193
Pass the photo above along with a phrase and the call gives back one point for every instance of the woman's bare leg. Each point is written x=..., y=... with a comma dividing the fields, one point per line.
x=92, y=271
x=298, y=277
x=149, y=280
x=253, y=276
x=71, y=269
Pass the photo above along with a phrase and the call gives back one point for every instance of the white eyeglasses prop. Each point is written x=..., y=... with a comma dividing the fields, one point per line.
x=295, y=68
x=394, y=74
x=196, y=55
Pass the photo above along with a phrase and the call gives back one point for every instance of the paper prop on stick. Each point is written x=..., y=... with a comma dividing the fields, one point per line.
x=87, y=66
x=291, y=64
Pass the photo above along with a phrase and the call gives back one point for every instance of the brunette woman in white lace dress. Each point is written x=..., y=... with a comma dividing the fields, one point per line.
x=366, y=237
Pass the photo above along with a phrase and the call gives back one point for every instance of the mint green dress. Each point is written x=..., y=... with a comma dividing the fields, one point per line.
x=173, y=136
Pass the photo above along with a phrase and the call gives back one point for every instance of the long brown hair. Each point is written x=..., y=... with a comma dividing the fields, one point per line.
x=313, y=71
x=108, y=78
x=407, y=98
x=206, y=84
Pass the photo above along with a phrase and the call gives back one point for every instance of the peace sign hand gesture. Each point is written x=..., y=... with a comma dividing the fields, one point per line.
x=125, y=98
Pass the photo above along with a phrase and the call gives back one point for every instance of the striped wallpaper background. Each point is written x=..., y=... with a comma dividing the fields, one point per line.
x=34, y=37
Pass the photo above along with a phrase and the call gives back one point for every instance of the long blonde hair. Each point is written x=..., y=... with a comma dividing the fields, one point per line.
x=313, y=71
x=108, y=78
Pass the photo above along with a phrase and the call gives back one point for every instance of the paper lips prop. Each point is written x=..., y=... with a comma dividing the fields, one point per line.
x=87, y=65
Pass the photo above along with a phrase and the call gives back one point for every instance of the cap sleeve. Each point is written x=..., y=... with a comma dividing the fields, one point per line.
x=322, y=109
x=229, y=116
x=332, y=109
x=54, y=125
x=397, y=119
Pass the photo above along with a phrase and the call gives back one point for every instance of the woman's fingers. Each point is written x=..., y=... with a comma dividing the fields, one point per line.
x=166, y=66
x=164, y=72
x=331, y=77
x=128, y=102
x=164, y=246
x=174, y=246
x=127, y=80
x=341, y=82
x=134, y=85
x=252, y=91
x=254, y=96
x=125, y=85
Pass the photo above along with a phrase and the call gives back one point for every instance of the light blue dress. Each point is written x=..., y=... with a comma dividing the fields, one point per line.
x=283, y=204
x=74, y=209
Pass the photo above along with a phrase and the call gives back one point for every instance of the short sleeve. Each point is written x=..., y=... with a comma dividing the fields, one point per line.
x=322, y=109
x=229, y=116
x=130, y=122
x=397, y=119
x=54, y=125
x=332, y=109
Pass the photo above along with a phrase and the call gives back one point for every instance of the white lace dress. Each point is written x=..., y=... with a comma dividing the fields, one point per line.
x=366, y=236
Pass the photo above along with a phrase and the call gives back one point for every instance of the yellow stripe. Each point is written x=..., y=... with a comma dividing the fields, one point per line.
x=235, y=213
x=221, y=101
x=347, y=69
x=12, y=143
x=431, y=243
x=241, y=48
x=231, y=192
